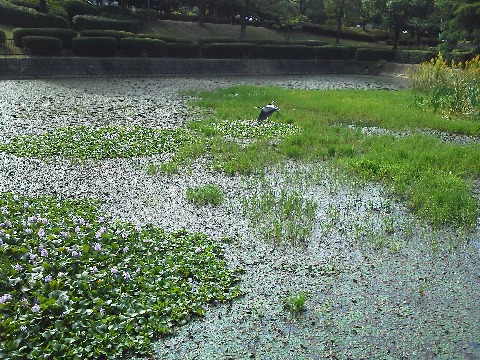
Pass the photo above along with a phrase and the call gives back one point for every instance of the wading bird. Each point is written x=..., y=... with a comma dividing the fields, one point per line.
x=266, y=111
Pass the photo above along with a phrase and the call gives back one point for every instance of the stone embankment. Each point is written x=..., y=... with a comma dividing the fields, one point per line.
x=47, y=67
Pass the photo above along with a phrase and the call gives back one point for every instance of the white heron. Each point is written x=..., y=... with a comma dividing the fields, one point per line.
x=267, y=110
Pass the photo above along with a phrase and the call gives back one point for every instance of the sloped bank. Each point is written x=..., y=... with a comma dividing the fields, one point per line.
x=46, y=67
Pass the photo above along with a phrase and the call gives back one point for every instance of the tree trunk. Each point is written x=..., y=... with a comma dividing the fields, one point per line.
x=201, y=12
x=339, y=28
x=43, y=6
x=243, y=21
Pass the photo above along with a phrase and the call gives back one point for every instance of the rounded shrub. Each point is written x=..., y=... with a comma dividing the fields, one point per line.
x=78, y=7
x=331, y=52
x=229, y=51
x=180, y=50
x=414, y=56
x=375, y=54
x=90, y=46
x=287, y=52
x=65, y=35
x=166, y=38
x=14, y=15
x=136, y=47
x=42, y=45
x=91, y=22
x=116, y=34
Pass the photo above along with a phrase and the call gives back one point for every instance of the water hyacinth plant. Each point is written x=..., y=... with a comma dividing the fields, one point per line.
x=75, y=284
x=85, y=142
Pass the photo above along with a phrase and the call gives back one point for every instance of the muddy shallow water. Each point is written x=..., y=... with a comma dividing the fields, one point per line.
x=381, y=283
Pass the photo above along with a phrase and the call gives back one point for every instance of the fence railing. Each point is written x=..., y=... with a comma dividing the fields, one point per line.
x=9, y=49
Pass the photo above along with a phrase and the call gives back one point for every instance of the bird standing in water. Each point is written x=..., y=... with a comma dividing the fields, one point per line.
x=266, y=111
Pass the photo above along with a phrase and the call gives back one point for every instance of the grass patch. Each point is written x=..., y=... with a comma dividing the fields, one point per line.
x=77, y=284
x=295, y=303
x=281, y=217
x=209, y=194
x=432, y=176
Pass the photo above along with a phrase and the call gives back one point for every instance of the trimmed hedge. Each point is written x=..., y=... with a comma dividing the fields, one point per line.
x=77, y=7
x=14, y=15
x=65, y=35
x=375, y=54
x=42, y=45
x=414, y=56
x=136, y=47
x=191, y=51
x=166, y=38
x=217, y=40
x=287, y=52
x=3, y=37
x=91, y=22
x=116, y=34
x=90, y=46
x=229, y=51
x=326, y=31
x=331, y=52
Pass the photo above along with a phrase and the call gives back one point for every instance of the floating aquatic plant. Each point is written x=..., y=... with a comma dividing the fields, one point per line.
x=85, y=142
x=75, y=284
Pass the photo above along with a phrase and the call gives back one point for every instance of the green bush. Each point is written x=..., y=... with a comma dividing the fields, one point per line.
x=65, y=35
x=183, y=51
x=42, y=45
x=375, y=54
x=77, y=7
x=91, y=22
x=414, y=56
x=116, y=34
x=308, y=42
x=217, y=40
x=90, y=46
x=3, y=37
x=331, y=52
x=14, y=15
x=349, y=34
x=166, y=38
x=229, y=51
x=135, y=47
x=287, y=52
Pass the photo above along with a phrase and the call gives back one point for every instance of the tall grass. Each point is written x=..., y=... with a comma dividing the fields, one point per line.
x=433, y=177
x=449, y=88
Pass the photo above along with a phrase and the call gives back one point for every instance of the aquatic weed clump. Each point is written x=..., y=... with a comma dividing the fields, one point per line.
x=84, y=142
x=76, y=284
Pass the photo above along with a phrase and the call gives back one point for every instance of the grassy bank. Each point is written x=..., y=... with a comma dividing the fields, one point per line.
x=433, y=177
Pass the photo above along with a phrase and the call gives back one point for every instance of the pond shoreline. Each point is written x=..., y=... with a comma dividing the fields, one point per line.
x=56, y=67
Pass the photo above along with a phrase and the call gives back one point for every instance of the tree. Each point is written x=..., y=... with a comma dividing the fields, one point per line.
x=43, y=6
x=461, y=21
x=336, y=9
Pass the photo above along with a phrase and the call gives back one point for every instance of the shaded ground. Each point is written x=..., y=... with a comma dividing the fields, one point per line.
x=381, y=283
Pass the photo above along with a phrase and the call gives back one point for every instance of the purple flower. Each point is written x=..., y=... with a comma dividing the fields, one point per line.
x=100, y=232
x=32, y=257
x=125, y=249
x=8, y=223
x=101, y=219
x=17, y=267
x=4, y=298
x=197, y=250
x=97, y=247
x=126, y=275
x=76, y=254
x=81, y=221
x=41, y=232
x=44, y=252
x=114, y=270
x=28, y=231
x=94, y=269
x=65, y=234
x=35, y=308
x=23, y=328
x=4, y=210
x=124, y=235
x=77, y=229
x=48, y=278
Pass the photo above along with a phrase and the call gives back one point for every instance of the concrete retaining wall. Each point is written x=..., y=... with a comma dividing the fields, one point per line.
x=45, y=67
